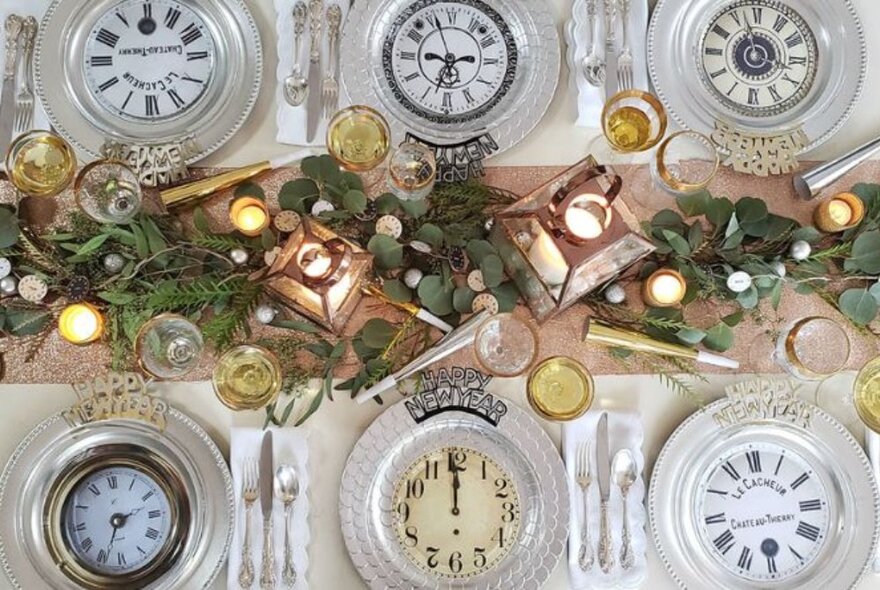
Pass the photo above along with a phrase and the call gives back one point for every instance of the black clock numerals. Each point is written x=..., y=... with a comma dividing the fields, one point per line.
x=152, y=533
x=107, y=38
x=109, y=84
x=171, y=17
x=87, y=544
x=724, y=542
x=771, y=565
x=731, y=471
x=800, y=481
x=745, y=559
x=716, y=518
x=103, y=556
x=122, y=18
x=94, y=489
x=151, y=105
x=754, y=460
x=808, y=531
x=100, y=61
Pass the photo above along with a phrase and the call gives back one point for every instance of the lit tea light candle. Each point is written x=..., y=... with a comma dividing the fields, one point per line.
x=249, y=215
x=587, y=216
x=843, y=211
x=80, y=323
x=664, y=288
x=315, y=261
x=548, y=260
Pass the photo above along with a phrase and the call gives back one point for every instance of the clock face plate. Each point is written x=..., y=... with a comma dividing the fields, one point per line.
x=148, y=72
x=763, y=503
x=449, y=71
x=763, y=67
x=398, y=497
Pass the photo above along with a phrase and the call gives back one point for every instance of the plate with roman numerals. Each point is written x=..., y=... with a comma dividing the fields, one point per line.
x=148, y=72
x=762, y=66
x=454, y=488
x=115, y=504
x=764, y=502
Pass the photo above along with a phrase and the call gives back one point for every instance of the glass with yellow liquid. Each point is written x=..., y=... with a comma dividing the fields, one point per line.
x=633, y=121
x=560, y=389
x=40, y=164
x=247, y=377
x=358, y=138
x=866, y=394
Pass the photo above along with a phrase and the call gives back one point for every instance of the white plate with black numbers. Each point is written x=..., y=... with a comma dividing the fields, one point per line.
x=454, y=501
x=764, y=66
x=473, y=75
x=148, y=72
x=763, y=504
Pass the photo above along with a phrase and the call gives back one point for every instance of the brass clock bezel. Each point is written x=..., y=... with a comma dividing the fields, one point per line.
x=102, y=457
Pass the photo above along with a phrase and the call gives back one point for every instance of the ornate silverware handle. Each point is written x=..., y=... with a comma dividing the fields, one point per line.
x=610, y=15
x=30, y=36
x=626, y=551
x=288, y=572
x=246, y=570
x=300, y=13
x=624, y=23
x=585, y=556
x=267, y=567
x=14, y=24
x=316, y=14
x=809, y=184
x=334, y=20
x=606, y=550
x=593, y=22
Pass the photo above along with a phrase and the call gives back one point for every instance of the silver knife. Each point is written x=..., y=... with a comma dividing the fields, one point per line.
x=313, y=104
x=611, y=78
x=14, y=25
x=267, y=479
x=603, y=468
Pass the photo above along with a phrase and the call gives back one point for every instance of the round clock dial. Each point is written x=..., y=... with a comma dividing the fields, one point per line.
x=449, y=62
x=764, y=512
x=149, y=60
x=116, y=520
x=456, y=513
x=758, y=57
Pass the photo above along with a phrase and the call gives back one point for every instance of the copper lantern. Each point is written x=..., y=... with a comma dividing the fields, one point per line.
x=319, y=275
x=568, y=237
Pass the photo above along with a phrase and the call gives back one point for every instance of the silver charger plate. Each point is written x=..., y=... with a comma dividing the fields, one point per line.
x=30, y=471
x=509, y=121
x=839, y=462
x=674, y=36
x=394, y=441
x=220, y=113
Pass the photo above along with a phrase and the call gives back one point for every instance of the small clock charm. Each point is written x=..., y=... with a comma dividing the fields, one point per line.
x=758, y=57
x=149, y=60
x=457, y=513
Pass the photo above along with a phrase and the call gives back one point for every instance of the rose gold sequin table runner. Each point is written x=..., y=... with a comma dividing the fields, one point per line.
x=59, y=362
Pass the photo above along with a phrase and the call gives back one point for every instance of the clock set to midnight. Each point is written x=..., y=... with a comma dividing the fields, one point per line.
x=149, y=60
x=758, y=57
x=764, y=512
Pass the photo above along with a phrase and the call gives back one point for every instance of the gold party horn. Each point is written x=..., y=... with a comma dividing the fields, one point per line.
x=411, y=308
x=602, y=333
x=198, y=189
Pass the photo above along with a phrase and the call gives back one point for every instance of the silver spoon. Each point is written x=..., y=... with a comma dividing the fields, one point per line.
x=287, y=489
x=593, y=64
x=296, y=85
x=623, y=469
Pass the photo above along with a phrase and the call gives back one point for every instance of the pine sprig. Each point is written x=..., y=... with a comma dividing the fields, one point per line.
x=224, y=327
x=199, y=293
x=220, y=242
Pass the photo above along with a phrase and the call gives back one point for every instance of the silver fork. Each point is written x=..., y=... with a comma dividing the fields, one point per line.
x=584, y=479
x=593, y=64
x=250, y=491
x=330, y=87
x=24, y=100
x=625, y=60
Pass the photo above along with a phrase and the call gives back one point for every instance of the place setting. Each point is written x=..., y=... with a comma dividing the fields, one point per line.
x=375, y=344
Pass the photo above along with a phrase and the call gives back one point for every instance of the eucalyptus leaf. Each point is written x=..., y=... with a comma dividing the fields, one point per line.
x=250, y=189
x=865, y=255
x=200, y=221
x=733, y=319
x=26, y=322
x=9, y=228
x=677, y=243
x=748, y=299
x=691, y=336
x=387, y=203
x=140, y=241
x=321, y=168
x=313, y=407
x=869, y=194
x=298, y=195
x=732, y=226
x=667, y=219
x=507, y=295
x=387, y=251
x=436, y=295
x=463, y=299
x=776, y=295
x=859, y=305
x=695, y=236
x=808, y=234
x=352, y=181
x=477, y=250
x=268, y=240
x=719, y=211
x=397, y=291
x=431, y=235
x=493, y=270
x=378, y=333
x=694, y=204
x=751, y=210
x=92, y=245
x=117, y=298
x=875, y=291
x=719, y=337
x=354, y=201
x=416, y=208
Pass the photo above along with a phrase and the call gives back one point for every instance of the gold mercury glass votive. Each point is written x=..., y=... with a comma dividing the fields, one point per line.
x=358, y=138
x=685, y=162
x=813, y=348
x=866, y=394
x=249, y=215
x=560, y=389
x=40, y=164
x=664, y=288
x=633, y=121
x=841, y=212
x=247, y=377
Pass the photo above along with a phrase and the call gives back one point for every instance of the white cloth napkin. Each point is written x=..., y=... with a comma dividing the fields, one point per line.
x=34, y=8
x=578, y=36
x=291, y=121
x=290, y=446
x=624, y=431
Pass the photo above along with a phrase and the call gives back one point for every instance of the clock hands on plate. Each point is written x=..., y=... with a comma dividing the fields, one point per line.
x=456, y=484
x=450, y=59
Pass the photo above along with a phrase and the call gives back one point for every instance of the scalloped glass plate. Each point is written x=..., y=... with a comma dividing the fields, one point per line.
x=674, y=39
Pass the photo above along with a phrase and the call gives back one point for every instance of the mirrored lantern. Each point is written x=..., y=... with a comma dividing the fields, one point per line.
x=319, y=274
x=568, y=237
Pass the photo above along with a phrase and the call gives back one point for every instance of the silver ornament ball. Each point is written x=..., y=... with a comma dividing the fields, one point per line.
x=800, y=250
x=778, y=268
x=265, y=314
x=412, y=277
x=113, y=262
x=615, y=294
x=8, y=285
x=239, y=256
